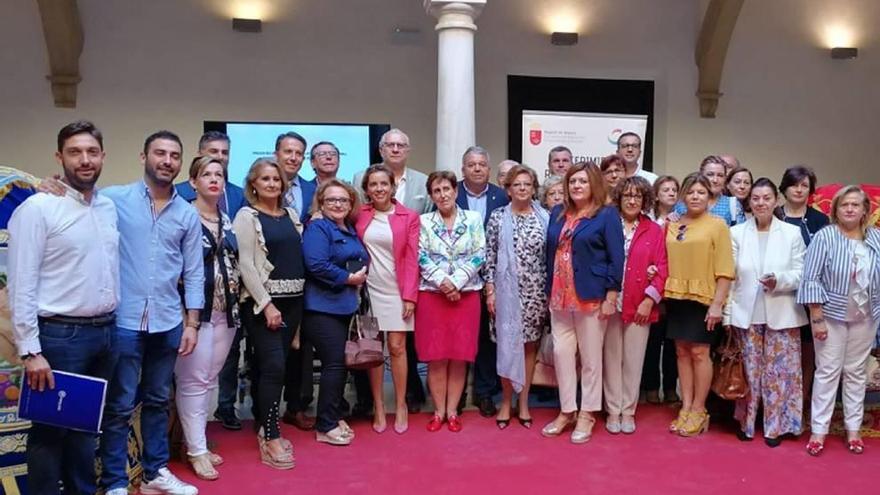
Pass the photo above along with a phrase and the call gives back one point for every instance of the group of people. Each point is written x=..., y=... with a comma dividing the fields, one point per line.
x=153, y=286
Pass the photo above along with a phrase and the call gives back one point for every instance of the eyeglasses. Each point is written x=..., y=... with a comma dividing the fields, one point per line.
x=681, y=231
x=322, y=154
x=402, y=146
x=612, y=171
x=634, y=146
x=632, y=196
x=337, y=201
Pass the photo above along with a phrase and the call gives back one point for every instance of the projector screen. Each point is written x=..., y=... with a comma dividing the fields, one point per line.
x=589, y=136
x=357, y=143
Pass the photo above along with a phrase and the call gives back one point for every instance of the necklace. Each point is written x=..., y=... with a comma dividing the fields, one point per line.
x=209, y=219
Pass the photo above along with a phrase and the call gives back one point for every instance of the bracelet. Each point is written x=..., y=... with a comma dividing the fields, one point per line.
x=816, y=321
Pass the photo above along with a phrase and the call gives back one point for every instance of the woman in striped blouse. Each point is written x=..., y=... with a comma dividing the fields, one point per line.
x=841, y=285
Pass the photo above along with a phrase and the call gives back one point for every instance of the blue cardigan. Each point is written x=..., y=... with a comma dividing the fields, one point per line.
x=326, y=250
x=596, y=252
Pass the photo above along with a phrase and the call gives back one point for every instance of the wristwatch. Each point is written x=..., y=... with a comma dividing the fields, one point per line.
x=29, y=355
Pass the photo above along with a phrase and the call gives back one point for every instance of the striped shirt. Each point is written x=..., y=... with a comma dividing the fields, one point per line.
x=828, y=271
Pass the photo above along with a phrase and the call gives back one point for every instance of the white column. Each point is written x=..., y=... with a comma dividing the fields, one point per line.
x=455, y=78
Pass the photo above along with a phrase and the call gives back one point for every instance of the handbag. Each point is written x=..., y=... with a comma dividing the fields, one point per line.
x=545, y=373
x=729, y=379
x=363, y=349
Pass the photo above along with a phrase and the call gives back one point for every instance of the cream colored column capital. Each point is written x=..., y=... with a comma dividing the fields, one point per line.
x=455, y=14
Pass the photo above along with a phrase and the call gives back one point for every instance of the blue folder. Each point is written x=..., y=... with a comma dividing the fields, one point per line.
x=76, y=402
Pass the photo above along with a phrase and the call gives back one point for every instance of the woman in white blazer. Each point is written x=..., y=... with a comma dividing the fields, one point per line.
x=763, y=311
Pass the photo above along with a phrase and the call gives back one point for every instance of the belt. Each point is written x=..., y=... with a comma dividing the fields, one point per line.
x=91, y=321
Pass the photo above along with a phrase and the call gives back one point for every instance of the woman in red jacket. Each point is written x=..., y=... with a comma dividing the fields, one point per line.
x=390, y=233
x=644, y=277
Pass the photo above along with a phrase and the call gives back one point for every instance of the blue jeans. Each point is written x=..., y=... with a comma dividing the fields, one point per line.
x=54, y=453
x=144, y=368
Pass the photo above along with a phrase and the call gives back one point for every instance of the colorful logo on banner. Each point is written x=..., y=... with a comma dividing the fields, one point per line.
x=535, y=134
x=614, y=136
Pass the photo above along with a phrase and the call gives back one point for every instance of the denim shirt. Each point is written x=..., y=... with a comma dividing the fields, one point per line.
x=326, y=250
x=155, y=251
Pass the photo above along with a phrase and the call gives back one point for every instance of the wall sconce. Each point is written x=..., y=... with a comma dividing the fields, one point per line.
x=247, y=25
x=560, y=38
x=844, y=53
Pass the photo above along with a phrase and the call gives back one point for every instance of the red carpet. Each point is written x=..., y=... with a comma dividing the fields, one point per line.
x=482, y=459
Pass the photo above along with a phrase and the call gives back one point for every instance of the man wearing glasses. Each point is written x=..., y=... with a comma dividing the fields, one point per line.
x=325, y=161
x=629, y=146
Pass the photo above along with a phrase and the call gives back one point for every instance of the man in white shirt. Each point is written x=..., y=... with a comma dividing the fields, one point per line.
x=629, y=146
x=63, y=292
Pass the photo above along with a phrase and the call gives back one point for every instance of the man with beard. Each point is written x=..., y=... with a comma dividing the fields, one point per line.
x=63, y=276
x=216, y=145
x=476, y=193
x=160, y=239
x=629, y=146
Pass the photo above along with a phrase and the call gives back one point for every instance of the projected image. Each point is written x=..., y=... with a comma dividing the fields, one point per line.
x=249, y=141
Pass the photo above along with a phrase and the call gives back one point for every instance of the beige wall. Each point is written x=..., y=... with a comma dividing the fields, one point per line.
x=172, y=64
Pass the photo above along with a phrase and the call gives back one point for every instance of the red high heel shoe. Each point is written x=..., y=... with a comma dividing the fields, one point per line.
x=815, y=448
x=856, y=446
x=435, y=424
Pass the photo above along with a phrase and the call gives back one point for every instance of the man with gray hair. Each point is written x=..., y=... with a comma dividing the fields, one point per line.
x=503, y=168
x=411, y=184
x=476, y=193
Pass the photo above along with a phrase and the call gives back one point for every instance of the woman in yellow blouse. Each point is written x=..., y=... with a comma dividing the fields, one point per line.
x=700, y=272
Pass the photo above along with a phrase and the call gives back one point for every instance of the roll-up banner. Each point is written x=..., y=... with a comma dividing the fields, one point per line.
x=589, y=136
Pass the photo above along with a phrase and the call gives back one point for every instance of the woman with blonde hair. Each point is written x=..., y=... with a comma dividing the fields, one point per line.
x=273, y=275
x=841, y=286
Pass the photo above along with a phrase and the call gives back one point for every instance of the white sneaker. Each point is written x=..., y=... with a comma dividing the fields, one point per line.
x=117, y=491
x=167, y=484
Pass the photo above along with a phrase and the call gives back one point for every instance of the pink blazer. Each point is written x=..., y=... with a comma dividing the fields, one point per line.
x=405, y=243
x=648, y=248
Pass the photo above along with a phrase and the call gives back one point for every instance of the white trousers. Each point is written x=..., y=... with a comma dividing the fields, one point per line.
x=197, y=378
x=845, y=350
x=625, y=346
x=573, y=333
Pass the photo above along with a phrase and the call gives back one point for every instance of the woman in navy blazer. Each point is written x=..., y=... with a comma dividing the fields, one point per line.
x=330, y=247
x=390, y=232
x=584, y=274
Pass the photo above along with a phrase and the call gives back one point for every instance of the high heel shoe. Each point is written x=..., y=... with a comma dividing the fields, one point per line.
x=696, y=424
x=555, y=428
x=815, y=447
x=283, y=460
x=678, y=423
x=583, y=429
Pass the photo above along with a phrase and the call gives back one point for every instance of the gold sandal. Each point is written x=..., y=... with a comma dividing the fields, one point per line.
x=583, y=435
x=697, y=423
x=678, y=423
x=202, y=466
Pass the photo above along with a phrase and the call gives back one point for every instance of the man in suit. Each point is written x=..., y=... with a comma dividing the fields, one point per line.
x=290, y=149
x=216, y=145
x=476, y=193
x=324, y=156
